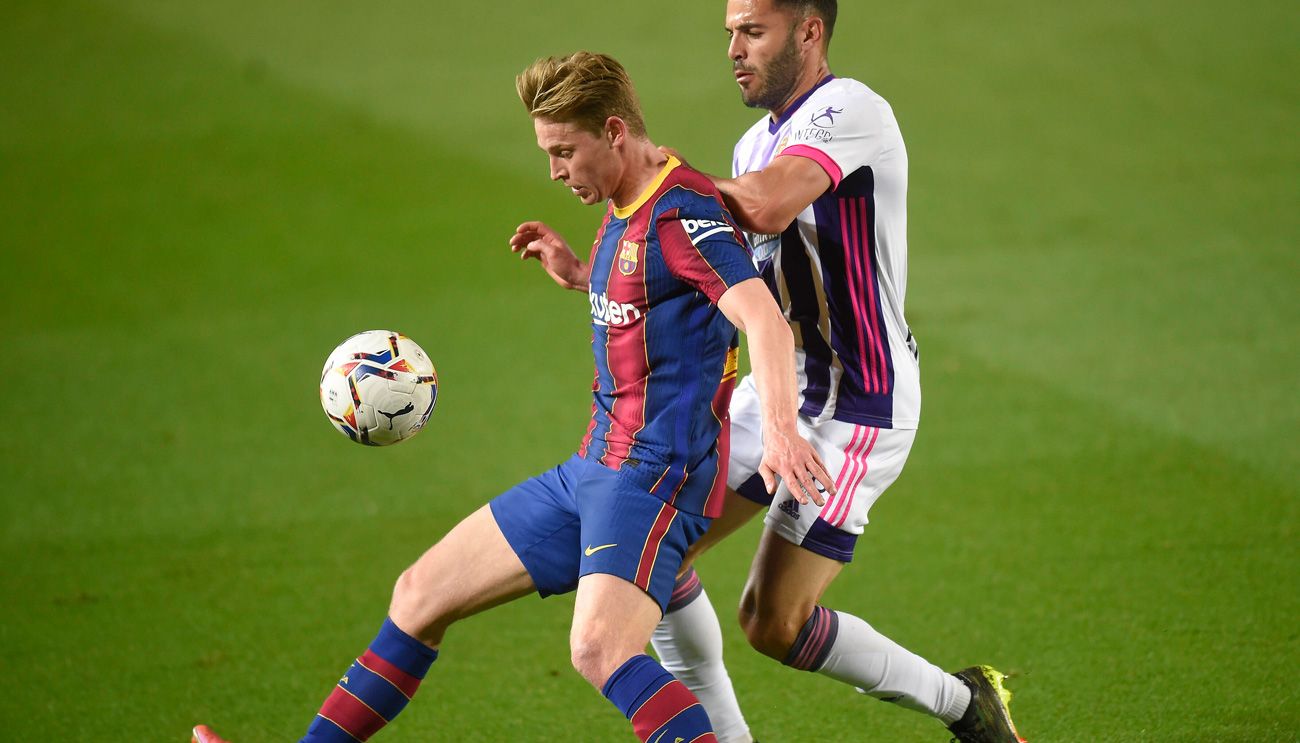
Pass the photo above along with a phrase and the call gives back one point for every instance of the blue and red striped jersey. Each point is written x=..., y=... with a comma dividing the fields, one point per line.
x=665, y=355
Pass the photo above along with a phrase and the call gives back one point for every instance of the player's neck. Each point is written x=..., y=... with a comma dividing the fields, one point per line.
x=642, y=165
x=808, y=80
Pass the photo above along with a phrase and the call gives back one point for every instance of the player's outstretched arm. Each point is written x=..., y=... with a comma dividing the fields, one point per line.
x=749, y=305
x=536, y=240
x=766, y=201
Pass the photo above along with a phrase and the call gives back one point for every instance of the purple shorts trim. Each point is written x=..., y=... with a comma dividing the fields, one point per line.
x=827, y=541
x=753, y=489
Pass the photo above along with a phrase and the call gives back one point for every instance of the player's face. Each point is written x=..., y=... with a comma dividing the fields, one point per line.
x=763, y=51
x=583, y=161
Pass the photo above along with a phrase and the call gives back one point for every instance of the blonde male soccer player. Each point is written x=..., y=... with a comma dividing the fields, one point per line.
x=820, y=184
x=669, y=280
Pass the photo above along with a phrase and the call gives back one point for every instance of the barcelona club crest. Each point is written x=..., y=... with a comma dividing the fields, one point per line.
x=627, y=257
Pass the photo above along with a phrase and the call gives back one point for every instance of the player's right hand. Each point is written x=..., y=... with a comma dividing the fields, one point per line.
x=789, y=456
x=536, y=240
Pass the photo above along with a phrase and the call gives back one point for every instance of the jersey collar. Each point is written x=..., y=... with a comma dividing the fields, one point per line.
x=623, y=212
x=773, y=126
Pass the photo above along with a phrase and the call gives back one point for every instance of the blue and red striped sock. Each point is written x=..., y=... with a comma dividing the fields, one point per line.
x=375, y=688
x=657, y=703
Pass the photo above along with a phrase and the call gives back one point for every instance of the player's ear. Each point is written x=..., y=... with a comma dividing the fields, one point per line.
x=814, y=30
x=615, y=131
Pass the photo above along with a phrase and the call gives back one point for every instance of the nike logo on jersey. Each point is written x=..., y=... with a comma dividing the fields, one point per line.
x=705, y=228
x=593, y=550
x=607, y=312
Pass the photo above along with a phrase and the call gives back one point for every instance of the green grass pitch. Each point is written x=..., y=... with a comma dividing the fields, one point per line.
x=198, y=200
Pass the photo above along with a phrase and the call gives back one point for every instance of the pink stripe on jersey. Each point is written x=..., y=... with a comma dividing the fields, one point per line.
x=862, y=244
x=842, y=511
x=819, y=157
x=883, y=366
x=868, y=380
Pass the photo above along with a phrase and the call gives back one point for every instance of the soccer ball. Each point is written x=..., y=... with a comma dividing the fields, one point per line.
x=378, y=387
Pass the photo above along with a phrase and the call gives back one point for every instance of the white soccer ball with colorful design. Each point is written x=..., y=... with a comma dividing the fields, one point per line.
x=378, y=387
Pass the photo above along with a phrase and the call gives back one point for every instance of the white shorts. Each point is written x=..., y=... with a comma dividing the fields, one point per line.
x=863, y=460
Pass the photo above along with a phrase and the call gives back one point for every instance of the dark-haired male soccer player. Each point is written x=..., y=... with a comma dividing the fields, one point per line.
x=670, y=280
x=820, y=184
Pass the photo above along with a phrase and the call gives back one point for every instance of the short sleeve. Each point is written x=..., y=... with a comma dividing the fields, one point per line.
x=841, y=131
x=705, y=249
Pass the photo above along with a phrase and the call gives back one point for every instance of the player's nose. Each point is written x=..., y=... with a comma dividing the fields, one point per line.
x=735, y=49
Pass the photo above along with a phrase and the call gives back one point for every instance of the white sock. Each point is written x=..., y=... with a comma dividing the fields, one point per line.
x=688, y=642
x=882, y=668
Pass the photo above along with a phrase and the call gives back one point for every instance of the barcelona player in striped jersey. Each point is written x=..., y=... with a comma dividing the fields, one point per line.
x=669, y=280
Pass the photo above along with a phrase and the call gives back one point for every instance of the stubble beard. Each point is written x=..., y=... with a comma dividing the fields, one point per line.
x=782, y=75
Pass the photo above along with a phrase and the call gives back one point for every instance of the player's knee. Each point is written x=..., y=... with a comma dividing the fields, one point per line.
x=771, y=636
x=418, y=610
x=769, y=630
x=595, y=657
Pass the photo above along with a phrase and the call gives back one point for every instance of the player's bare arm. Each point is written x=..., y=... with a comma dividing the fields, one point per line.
x=749, y=305
x=766, y=201
x=536, y=240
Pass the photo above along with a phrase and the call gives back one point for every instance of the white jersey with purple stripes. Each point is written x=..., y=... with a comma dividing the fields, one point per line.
x=840, y=270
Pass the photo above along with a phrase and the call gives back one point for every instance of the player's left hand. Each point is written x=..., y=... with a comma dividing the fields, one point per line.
x=789, y=456
x=537, y=240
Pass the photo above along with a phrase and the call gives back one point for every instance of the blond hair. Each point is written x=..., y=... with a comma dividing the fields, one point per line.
x=583, y=89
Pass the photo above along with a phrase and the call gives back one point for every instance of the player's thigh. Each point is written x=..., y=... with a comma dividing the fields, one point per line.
x=865, y=461
x=471, y=569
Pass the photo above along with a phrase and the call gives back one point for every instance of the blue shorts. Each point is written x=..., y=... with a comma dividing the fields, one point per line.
x=583, y=517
